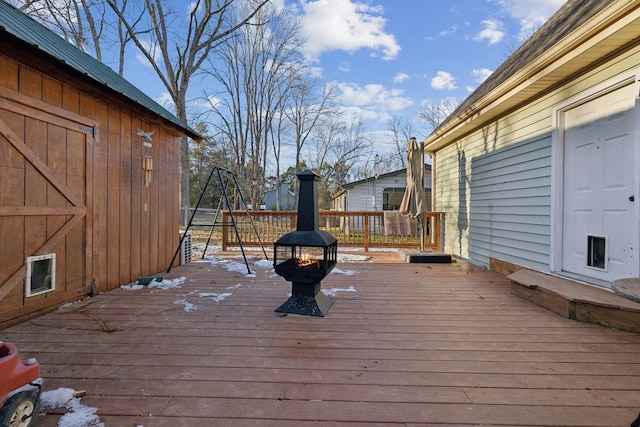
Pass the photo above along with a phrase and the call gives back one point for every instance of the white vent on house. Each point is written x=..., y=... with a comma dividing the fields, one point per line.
x=185, y=248
x=41, y=274
x=597, y=252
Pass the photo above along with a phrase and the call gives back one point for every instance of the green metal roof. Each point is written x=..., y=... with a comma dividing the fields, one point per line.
x=23, y=27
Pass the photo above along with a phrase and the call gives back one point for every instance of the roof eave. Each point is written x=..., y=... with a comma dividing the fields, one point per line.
x=19, y=26
x=608, y=31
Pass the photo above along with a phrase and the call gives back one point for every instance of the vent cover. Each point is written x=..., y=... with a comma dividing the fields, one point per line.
x=185, y=248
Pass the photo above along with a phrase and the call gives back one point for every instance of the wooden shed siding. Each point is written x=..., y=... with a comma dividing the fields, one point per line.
x=494, y=185
x=129, y=230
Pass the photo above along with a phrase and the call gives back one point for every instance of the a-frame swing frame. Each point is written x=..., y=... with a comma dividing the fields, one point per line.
x=221, y=173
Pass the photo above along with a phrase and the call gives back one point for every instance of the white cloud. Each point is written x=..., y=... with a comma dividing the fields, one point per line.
x=493, y=31
x=345, y=25
x=530, y=13
x=367, y=114
x=371, y=102
x=443, y=80
x=400, y=77
x=373, y=96
x=344, y=67
x=481, y=74
x=453, y=29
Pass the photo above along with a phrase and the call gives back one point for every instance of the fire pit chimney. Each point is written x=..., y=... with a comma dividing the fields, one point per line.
x=308, y=213
x=307, y=255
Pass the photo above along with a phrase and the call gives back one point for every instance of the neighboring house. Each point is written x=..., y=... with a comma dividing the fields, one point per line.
x=381, y=193
x=88, y=202
x=281, y=199
x=540, y=166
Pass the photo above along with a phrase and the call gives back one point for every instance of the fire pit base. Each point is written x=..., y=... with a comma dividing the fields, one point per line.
x=306, y=305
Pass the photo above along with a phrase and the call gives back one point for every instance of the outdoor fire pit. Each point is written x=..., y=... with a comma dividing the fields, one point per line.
x=305, y=256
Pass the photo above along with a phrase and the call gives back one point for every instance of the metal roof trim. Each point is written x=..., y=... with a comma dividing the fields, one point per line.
x=23, y=27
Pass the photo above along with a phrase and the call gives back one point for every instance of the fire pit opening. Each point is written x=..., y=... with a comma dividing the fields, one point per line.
x=305, y=256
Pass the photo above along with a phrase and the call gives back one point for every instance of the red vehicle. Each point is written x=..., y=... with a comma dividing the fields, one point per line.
x=19, y=388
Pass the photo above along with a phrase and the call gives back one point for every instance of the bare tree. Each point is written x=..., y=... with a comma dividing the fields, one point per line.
x=339, y=144
x=81, y=22
x=278, y=132
x=517, y=41
x=306, y=109
x=375, y=165
x=177, y=48
x=88, y=24
x=255, y=74
x=400, y=131
x=433, y=113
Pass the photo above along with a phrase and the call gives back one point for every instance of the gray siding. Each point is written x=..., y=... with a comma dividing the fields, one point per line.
x=510, y=199
x=495, y=185
x=499, y=206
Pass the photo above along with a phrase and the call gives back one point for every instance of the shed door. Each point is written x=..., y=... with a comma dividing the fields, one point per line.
x=43, y=165
x=600, y=224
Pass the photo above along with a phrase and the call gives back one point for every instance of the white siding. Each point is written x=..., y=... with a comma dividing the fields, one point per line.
x=494, y=185
x=362, y=196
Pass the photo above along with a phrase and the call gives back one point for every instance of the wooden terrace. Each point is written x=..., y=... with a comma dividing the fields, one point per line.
x=403, y=345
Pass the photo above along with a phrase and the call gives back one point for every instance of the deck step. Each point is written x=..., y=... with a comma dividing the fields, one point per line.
x=575, y=300
x=425, y=257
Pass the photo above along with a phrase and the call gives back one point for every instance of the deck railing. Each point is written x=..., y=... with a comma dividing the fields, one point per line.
x=366, y=229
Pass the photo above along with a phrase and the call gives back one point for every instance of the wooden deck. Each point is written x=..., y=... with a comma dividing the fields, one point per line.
x=408, y=345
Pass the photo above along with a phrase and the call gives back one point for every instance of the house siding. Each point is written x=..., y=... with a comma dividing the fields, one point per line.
x=361, y=197
x=495, y=184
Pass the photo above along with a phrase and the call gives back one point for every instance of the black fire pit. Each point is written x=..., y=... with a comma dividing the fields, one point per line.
x=305, y=256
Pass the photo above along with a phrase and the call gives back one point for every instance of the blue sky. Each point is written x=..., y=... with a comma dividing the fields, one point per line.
x=388, y=57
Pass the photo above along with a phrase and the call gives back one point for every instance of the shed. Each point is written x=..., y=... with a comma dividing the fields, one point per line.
x=280, y=199
x=540, y=166
x=88, y=200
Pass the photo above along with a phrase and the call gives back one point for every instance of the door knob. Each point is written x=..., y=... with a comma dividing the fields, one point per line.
x=632, y=198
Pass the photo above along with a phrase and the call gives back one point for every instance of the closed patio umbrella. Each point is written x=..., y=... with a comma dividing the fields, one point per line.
x=414, y=201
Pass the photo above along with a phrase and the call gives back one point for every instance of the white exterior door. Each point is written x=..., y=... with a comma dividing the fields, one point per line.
x=600, y=223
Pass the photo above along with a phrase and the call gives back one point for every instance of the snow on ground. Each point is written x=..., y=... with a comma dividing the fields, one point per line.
x=215, y=296
x=197, y=249
x=154, y=284
x=345, y=272
x=352, y=258
x=188, y=306
x=334, y=291
x=230, y=265
x=79, y=414
x=236, y=264
x=264, y=263
x=350, y=249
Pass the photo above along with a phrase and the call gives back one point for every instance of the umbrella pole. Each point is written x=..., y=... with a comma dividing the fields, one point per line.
x=421, y=224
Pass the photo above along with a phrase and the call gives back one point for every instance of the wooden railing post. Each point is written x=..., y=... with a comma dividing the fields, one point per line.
x=436, y=230
x=225, y=235
x=366, y=231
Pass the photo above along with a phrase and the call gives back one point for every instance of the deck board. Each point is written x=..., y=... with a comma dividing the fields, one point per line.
x=415, y=344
